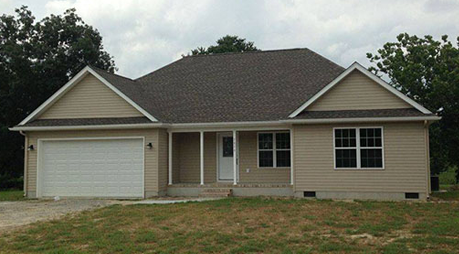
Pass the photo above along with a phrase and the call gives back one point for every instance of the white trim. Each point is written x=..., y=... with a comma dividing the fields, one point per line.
x=283, y=124
x=358, y=148
x=170, y=156
x=201, y=156
x=274, y=149
x=39, y=154
x=363, y=119
x=357, y=66
x=78, y=77
x=235, y=143
x=291, y=156
x=89, y=127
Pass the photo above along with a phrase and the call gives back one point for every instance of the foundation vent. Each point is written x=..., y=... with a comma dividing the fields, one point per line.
x=309, y=194
x=411, y=195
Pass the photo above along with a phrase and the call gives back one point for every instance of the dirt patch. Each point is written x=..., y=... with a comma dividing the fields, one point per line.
x=19, y=213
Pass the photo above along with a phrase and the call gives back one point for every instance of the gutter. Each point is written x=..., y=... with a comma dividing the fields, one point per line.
x=253, y=124
x=362, y=119
x=89, y=127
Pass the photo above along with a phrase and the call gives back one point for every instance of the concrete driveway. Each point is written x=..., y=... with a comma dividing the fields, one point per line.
x=20, y=213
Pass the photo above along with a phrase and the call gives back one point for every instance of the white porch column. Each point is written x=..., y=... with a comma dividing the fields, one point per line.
x=170, y=158
x=291, y=157
x=202, y=156
x=234, y=157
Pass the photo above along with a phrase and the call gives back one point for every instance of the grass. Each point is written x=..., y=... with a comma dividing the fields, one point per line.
x=451, y=194
x=12, y=195
x=248, y=225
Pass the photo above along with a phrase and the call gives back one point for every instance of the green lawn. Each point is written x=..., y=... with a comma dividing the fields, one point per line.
x=452, y=193
x=244, y=225
x=12, y=195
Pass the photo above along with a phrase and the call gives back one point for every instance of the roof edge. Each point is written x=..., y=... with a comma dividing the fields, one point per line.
x=363, y=119
x=72, y=82
x=372, y=76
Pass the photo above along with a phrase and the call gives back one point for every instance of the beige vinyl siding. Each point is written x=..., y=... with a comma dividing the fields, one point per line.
x=189, y=158
x=152, y=164
x=404, y=157
x=90, y=98
x=357, y=91
x=188, y=165
x=248, y=160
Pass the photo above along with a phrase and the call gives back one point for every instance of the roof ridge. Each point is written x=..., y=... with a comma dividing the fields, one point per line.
x=107, y=72
x=151, y=72
x=247, y=52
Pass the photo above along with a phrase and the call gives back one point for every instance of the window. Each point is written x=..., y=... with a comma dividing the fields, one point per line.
x=227, y=146
x=358, y=148
x=274, y=149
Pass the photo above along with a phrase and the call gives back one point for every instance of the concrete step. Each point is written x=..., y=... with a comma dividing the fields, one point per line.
x=216, y=192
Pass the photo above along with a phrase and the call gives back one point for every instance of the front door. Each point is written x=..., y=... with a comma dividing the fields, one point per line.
x=225, y=157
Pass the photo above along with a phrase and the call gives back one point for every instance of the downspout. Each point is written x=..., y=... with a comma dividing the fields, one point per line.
x=26, y=145
x=426, y=130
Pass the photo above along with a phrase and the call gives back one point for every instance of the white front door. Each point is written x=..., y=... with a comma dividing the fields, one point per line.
x=225, y=157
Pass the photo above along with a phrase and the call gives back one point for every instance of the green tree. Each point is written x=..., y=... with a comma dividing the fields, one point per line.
x=427, y=70
x=36, y=59
x=226, y=44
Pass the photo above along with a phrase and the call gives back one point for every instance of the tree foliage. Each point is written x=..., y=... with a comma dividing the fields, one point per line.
x=427, y=70
x=36, y=59
x=226, y=44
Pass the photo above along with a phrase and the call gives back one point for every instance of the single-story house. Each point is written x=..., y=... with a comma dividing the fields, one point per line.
x=275, y=123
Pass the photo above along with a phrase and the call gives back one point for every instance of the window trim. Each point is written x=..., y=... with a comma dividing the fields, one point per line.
x=274, y=149
x=358, y=148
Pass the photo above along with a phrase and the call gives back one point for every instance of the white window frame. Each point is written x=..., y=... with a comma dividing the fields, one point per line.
x=274, y=149
x=358, y=148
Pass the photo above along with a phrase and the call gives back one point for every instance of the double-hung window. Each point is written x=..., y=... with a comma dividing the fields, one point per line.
x=274, y=149
x=359, y=148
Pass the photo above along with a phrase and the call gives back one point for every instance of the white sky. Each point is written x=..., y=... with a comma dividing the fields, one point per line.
x=145, y=35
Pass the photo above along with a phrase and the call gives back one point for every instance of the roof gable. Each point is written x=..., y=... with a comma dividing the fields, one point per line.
x=357, y=67
x=90, y=98
x=75, y=81
x=357, y=92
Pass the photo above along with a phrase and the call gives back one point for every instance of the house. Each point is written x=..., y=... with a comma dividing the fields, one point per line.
x=276, y=123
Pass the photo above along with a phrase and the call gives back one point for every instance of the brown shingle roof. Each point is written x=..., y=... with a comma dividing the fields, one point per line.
x=251, y=86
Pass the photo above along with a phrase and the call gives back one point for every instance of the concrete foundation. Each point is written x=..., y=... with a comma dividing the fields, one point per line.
x=237, y=191
x=388, y=196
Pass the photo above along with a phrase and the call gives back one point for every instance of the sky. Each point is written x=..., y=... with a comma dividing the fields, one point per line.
x=143, y=36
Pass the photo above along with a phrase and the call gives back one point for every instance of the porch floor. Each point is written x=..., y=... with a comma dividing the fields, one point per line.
x=230, y=185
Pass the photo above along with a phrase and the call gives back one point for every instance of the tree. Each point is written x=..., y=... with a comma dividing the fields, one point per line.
x=427, y=70
x=226, y=44
x=36, y=59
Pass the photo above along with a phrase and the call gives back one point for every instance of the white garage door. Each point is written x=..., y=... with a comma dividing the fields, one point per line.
x=91, y=168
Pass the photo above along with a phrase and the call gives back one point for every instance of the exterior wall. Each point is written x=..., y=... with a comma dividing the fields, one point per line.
x=357, y=91
x=155, y=170
x=405, y=158
x=248, y=160
x=188, y=164
x=90, y=98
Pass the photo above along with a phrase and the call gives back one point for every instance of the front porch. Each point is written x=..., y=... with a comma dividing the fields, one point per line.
x=240, y=189
x=236, y=160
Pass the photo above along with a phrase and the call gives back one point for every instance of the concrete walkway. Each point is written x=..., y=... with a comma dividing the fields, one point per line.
x=172, y=201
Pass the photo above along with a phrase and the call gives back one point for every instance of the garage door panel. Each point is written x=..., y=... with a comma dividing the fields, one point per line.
x=96, y=168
